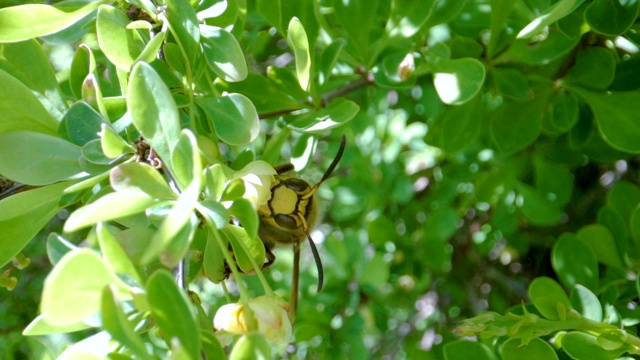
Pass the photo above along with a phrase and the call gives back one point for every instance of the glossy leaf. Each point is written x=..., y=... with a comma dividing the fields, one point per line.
x=40, y=326
x=549, y=298
x=514, y=349
x=18, y=98
x=458, y=81
x=234, y=118
x=37, y=159
x=511, y=83
x=465, y=349
x=120, y=45
x=553, y=181
x=297, y=39
x=109, y=207
x=68, y=298
x=565, y=111
x=554, y=13
x=112, y=144
x=172, y=312
x=357, y=18
x=536, y=207
x=214, y=261
x=114, y=255
x=512, y=134
x=461, y=126
x=601, y=241
x=612, y=17
x=83, y=123
x=16, y=232
x=244, y=247
x=336, y=114
x=265, y=96
x=57, y=247
x=407, y=17
x=251, y=346
x=575, y=262
x=187, y=166
x=184, y=25
x=586, y=303
x=28, y=62
x=615, y=116
x=223, y=54
x=594, y=68
x=153, y=110
x=115, y=322
x=24, y=22
x=581, y=345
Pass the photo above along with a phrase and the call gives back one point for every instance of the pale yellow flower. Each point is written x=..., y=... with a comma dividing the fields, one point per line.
x=257, y=176
x=270, y=318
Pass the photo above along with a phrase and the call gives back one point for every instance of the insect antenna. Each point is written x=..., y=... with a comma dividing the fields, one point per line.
x=332, y=167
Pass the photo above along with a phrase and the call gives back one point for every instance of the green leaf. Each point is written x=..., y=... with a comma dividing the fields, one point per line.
x=613, y=221
x=214, y=262
x=28, y=63
x=407, y=17
x=552, y=14
x=21, y=110
x=549, y=298
x=375, y=272
x=153, y=110
x=581, y=345
x=244, y=247
x=511, y=83
x=142, y=177
x=83, y=123
x=550, y=48
x=120, y=45
x=223, y=54
x=234, y=118
x=187, y=166
x=112, y=144
x=251, y=347
x=500, y=11
x=115, y=322
x=601, y=241
x=81, y=66
x=624, y=197
x=616, y=117
x=184, y=25
x=173, y=312
x=565, y=111
x=57, y=247
x=68, y=298
x=37, y=159
x=243, y=210
x=514, y=349
x=39, y=326
x=553, y=181
x=634, y=227
x=461, y=126
x=512, y=134
x=465, y=349
x=174, y=227
x=537, y=208
x=612, y=17
x=265, y=96
x=328, y=59
x=287, y=81
x=16, y=232
x=357, y=19
x=298, y=42
x=27, y=201
x=458, y=81
x=586, y=303
x=109, y=207
x=114, y=255
x=24, y=22
x=339, y=112
x=575, y=262
x=594, y=68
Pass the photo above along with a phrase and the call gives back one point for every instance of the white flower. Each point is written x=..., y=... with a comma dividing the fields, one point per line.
x=257, y=176
x=269, y=314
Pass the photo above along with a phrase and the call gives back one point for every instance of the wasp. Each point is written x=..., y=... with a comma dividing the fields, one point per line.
x=288, y=217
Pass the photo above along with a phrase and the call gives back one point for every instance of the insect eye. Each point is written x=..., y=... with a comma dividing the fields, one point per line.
x=296, y=184
x=286, y=221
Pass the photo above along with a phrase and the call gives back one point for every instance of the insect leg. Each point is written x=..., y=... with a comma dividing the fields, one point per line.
x=293, y=310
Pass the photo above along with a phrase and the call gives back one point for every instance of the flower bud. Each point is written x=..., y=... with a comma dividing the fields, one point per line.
x=266, y=315
x=257, y=177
